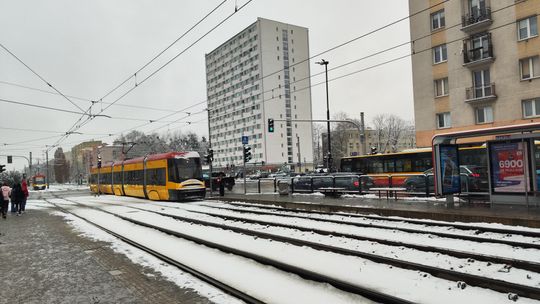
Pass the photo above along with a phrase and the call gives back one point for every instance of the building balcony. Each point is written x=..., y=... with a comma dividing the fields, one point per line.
x=477, y=94
x=480, y=55
x=477, y=20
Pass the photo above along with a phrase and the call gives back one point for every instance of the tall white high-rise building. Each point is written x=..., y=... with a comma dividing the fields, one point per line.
x=261, y=73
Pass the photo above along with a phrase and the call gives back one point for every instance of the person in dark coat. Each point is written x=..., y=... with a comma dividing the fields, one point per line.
x=24, y=187
x=17, y=197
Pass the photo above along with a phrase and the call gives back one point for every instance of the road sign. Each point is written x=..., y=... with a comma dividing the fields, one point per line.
x=245, y=140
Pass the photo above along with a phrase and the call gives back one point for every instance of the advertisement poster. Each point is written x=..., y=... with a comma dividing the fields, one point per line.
x=508, y=163
x=449, y=169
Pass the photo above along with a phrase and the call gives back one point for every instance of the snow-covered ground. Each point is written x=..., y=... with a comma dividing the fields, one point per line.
x=273, y=285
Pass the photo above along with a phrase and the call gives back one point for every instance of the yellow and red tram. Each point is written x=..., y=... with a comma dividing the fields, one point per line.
x=169, y=176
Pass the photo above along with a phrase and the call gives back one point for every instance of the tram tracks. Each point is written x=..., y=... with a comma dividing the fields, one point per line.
x=476, y=228
x=460, y=277
x=289, y=268
x=404, y=229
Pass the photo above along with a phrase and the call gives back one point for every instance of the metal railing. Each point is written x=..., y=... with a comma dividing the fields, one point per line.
x=416, y=184
x=471, y=54
x=476, y=16
x=477, y=92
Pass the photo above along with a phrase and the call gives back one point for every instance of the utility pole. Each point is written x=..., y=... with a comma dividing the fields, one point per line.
x=47, y=164
x=363, y=135
x=299, y=157
x=30, y=164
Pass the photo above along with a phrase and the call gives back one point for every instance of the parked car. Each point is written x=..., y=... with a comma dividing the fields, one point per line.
x=473, y=179
x=417, y=183
x=227, y=180
x=348, y=181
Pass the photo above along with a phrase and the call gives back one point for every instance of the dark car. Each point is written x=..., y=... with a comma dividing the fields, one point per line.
x=473, y=179
x=216, y=176
x=351, y=182
x=417, y=183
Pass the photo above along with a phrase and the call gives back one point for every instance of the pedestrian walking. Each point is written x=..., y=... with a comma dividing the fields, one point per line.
x=24, y=186
x=17, y=196
x=5, y=193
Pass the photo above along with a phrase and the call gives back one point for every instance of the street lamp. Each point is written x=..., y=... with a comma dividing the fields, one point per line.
x=329, y=156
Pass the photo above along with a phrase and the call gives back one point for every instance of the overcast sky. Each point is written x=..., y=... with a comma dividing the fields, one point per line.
x=86, y=48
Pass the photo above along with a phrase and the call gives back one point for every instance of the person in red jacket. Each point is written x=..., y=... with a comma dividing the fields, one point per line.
x=24, y=186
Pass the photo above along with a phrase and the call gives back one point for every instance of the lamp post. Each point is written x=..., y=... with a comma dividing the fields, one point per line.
x=329, y=156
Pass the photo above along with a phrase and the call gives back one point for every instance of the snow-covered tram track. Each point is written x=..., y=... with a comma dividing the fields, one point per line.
x=393, y=276
x=357, y=293
x=493, y=239
x=198, y=274
x=526, y=264
x=470, y=279
x=477, y=229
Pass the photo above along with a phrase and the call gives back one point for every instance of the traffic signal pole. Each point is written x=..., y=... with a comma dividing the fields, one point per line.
x=244, y=158
x=359, y=127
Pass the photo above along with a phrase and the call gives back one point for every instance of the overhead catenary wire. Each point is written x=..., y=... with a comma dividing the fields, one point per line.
x=341, y=45
x=86, y=99
x=164, y=50
x=416, y=51
x=39, y=76
x=76, y=126
x=387, y=62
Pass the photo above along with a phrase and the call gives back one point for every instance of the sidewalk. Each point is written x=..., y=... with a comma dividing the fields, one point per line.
x=43, y=260
x=412, y=208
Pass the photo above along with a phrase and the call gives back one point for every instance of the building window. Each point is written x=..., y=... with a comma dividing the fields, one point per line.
x=531, y=107
x=527, y=28
x=443, y=120
x=437, y=20
x=529, y=67
x=441, y=87
x=439, y=54
x=484, y=115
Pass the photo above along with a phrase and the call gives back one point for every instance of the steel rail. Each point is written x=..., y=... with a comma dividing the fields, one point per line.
x=412, y=221
x=304, y=273
x=408, y=230
x=200, y=275
x=522, y=264
x=470, y=279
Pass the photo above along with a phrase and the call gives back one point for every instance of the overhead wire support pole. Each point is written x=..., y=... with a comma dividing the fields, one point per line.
x=329, y=157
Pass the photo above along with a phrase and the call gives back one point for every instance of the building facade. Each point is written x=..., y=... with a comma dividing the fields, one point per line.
x=349, y=141
x=260, y=73
x=475, y=64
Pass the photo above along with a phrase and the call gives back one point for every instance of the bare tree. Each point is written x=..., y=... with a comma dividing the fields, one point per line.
x=317, y=149
x=389, y=130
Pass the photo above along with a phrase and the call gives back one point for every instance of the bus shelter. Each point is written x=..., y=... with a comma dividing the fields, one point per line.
x=513, y=163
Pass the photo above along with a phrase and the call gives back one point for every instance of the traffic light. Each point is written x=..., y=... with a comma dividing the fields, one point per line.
x=99, y=161
x=270, y=125
x=210, y=156
x=9, y=159
x=247, y=153
x=2, y=168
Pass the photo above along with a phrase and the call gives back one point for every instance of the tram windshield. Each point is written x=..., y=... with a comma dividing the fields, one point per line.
x=181, y=169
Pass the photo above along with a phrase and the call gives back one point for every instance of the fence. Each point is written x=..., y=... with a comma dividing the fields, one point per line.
x=416, y=184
